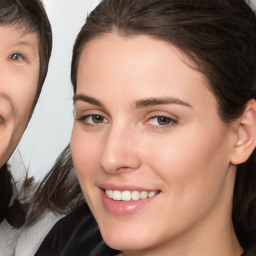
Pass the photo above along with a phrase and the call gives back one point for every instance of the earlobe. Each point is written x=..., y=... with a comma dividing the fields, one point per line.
x=246, y=135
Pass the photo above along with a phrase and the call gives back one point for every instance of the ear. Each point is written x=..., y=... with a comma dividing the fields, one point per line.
x=246, y=134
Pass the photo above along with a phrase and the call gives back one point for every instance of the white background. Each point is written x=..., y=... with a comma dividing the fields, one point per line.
x=50, y=127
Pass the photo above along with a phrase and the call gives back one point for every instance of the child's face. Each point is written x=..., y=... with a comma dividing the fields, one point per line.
x=150, y=150
x=19, y=72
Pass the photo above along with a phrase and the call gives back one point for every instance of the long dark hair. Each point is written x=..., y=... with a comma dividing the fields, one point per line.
x=59, y=191
x=219, y=36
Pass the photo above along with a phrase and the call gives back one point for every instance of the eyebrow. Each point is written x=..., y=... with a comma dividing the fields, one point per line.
x=88, y=99
x=22, y=43
x=26, y=43
x=143, y=103
x=160, y=101
x=26, y=38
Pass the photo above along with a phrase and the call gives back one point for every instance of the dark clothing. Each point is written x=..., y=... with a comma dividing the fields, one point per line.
x=250, y=252
x=62, y=231
x=87, y=241
x=77, y=234
x=5, y=191
x=80, y=223
x=10, y=208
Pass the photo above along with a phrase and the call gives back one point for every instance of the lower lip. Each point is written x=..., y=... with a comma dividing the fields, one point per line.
x=124, y=208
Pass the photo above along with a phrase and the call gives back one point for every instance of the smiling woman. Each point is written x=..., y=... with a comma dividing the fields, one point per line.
x=159, y=145
x=164, y=135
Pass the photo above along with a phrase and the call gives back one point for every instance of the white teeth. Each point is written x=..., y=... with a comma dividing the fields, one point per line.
x=109, y=193
x=143, y=195
x=135, y=195
x=129, y=195
x=150, y=194
x=126, y=196
x=117, y=195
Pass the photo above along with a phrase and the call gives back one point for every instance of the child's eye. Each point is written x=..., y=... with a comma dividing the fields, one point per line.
x=16, y=57
x=93, y=119
x=161, y=121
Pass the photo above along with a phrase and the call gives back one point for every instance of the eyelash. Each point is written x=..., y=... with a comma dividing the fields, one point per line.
x=170, y=121
x=15, y=55
x=84, y=119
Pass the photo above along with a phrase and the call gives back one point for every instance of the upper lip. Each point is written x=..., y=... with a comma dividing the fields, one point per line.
x=125, y=187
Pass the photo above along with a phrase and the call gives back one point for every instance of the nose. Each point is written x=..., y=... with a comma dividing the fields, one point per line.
x=119, y=152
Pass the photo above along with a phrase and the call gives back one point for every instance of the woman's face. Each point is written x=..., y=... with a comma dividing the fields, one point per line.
x=150, y=151
x=19, y=72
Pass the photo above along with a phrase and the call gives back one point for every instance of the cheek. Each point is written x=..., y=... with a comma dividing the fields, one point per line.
x=84, y=154
x=193, y=163
x=28, y=91
x=23, y=92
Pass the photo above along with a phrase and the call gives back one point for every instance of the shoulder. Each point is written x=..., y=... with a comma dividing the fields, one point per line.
x=87, y=238
x=31, y=237
x=61, y=232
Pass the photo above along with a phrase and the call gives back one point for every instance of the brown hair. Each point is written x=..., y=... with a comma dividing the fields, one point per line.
x=59, y=191
x=31, y=15
x=219, y=36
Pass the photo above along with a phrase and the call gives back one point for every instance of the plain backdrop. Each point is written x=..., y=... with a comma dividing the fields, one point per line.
x=50, y=127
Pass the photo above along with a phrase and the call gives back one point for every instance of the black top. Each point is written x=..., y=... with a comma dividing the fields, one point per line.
x=250, y=252
x=69, y=228
x=77, y=234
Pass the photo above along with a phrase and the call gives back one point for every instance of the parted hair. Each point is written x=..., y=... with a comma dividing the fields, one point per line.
x=219, y=37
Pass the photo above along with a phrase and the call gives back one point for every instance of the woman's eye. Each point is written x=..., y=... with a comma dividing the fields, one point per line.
x=161, y=121
x=16, y=57
x=93, y=119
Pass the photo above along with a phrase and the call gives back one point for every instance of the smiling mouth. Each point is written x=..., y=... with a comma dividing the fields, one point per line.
x=127, y=196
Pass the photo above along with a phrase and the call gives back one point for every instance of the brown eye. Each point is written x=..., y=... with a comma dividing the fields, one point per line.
x=161, y=121
x=93, y=119
x=97, y=119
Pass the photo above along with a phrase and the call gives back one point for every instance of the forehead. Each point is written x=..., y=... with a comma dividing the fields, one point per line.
x=11, y=35
x=112, y=51
x=142, y=45
x=138, y=67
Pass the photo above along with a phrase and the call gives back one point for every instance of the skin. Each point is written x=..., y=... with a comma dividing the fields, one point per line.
x=19, y=72
x=118, y=141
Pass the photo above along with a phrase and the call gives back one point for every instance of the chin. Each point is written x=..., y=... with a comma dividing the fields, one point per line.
x=125, y=240
x=122, y=245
